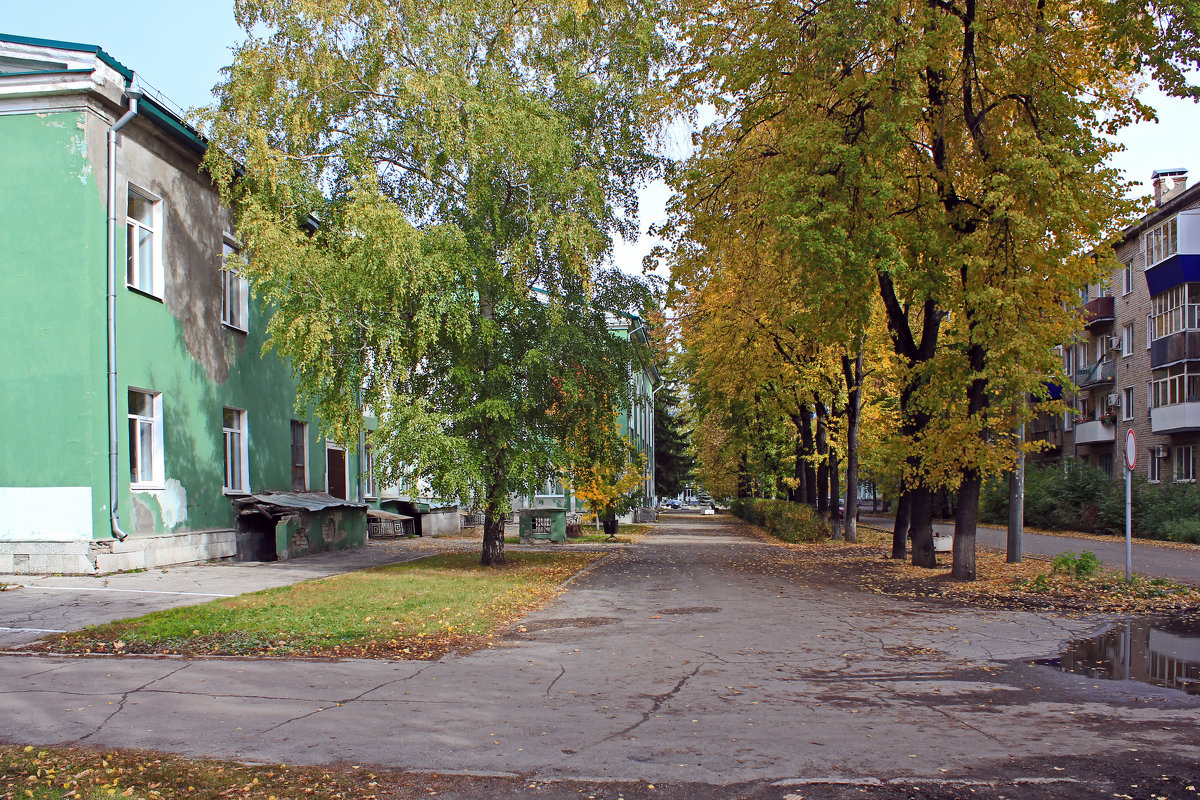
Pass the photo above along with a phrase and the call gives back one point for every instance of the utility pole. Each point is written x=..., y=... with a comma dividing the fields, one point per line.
x=1016, y=501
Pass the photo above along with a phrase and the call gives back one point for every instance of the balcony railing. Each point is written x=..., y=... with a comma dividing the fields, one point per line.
x=1182, y=346
x=1176, y=418
x=1095, y=431
x=1098, y=312
x=1099, y=373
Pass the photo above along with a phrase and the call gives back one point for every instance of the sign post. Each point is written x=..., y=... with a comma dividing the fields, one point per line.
x=1130, y=463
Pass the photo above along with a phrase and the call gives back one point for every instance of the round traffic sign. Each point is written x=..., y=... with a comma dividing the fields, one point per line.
x=1130, y=449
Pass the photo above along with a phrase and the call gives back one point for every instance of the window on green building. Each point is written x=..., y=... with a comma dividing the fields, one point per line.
x=143, y=246
x=145, y=440
x=236, y=462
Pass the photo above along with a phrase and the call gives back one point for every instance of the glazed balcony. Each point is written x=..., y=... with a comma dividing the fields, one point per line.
x=1098, y=313
x=1179, y=262
x=1095, y=431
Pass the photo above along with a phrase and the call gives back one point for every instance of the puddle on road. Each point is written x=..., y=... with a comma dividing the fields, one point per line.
x=1162, y=652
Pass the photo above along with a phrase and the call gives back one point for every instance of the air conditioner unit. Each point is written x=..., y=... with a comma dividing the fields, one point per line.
x=1114, y=342
x=1160, y=451
x=1113, y=399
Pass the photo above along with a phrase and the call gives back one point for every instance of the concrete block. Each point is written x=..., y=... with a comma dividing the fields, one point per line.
x=116, y=562
x=45, y=548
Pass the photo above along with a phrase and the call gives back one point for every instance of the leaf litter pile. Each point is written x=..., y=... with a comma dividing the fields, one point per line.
x=1035, y=584
x=416, y=610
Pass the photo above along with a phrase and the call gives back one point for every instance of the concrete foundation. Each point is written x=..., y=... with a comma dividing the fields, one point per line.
x=98, y=558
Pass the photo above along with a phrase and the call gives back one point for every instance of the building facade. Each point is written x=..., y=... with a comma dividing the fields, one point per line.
x=113, y=236
x=1137, y=362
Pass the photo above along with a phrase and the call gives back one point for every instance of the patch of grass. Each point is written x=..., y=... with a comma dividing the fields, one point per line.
x=54, y=773
x=414, y=610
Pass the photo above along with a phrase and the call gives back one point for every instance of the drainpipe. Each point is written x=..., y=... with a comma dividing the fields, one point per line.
x=132, y=96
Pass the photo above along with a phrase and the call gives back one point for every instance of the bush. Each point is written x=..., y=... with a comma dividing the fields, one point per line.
x=1182, y=530
x=1085, y=565
x=783, y=519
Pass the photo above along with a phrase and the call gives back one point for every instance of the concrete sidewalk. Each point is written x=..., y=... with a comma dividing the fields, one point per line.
x=698, y=655
x=1155, y=559
x=53, y=604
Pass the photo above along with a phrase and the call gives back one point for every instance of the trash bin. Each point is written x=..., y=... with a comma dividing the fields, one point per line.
x=610, y=527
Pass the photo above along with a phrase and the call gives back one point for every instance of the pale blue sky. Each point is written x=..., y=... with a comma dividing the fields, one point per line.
x=179, y=49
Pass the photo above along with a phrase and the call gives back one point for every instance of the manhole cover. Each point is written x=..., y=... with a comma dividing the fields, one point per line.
x=565, y=622
x=691, y=610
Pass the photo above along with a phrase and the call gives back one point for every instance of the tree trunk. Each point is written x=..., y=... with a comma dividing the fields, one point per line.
x=920, y=523
x=810, y=475
x=822, y=467
x=798, y=492
x=854, y=376
x=966, y=517
x=900, y=529
x=966, y=509
x=835, y=495
x=743, y=480
x=493, y=531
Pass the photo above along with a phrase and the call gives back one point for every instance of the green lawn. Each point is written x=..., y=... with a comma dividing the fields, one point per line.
x=418, y=609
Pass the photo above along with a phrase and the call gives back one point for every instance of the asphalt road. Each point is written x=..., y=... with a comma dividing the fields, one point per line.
x=1156, y=559
x=696, y=662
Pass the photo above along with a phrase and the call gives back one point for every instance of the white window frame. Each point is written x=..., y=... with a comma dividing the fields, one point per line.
x=553, y=487
x=1184, y=469
x=236, y=440
x=370, y=489
x=155, y=477
x=1161, y=242
x=1127, y=278
x=1154, y=466
x=133, y=266
x=1127, y=401
x=235, y=292
x=1127, y=335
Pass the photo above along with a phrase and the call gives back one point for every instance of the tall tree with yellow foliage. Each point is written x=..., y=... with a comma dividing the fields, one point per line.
x=956, y=151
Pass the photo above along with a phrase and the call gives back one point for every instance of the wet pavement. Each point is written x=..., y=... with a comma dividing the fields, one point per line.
x=1159, y=651
x=695, y=661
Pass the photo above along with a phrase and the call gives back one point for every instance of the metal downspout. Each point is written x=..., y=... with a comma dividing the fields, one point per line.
x=111, y=177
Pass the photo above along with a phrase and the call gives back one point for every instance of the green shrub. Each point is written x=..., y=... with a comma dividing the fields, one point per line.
x=1085, y=565
x=783, y=519
x=1182, y=530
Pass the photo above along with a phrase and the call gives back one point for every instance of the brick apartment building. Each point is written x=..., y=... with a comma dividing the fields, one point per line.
x=1137, y=361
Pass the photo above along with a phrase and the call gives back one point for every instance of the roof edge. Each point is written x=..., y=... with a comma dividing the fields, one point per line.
x=78, y=47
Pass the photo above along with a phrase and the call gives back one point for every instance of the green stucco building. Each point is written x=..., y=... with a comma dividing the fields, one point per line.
x=200, y=415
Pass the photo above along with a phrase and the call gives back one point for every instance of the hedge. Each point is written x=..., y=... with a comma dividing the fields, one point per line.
x=1080, y=497
x=783, y=519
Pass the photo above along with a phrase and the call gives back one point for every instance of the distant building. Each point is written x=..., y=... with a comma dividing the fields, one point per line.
x=1137, y=362
x=199, y=415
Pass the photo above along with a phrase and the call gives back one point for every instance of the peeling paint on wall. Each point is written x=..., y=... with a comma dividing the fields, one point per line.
x=173, y=504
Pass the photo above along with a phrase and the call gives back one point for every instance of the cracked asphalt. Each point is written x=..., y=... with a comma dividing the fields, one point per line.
x=693, y=659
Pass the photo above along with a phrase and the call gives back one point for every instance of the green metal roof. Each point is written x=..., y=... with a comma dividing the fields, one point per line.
x=125, y=71
x=148, y=107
